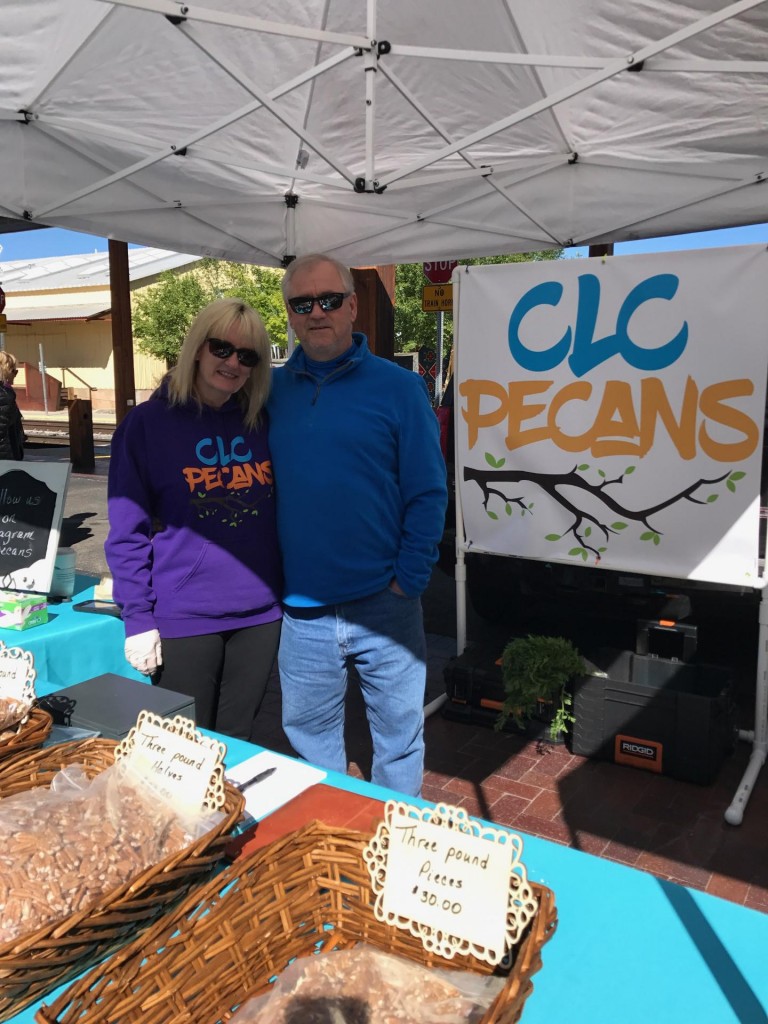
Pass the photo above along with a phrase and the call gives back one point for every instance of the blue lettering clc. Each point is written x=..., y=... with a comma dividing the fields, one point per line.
x=220, y=455
x=587, y=352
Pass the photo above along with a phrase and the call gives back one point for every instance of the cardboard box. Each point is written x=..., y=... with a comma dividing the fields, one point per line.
x=20, y=610
x=110, y=704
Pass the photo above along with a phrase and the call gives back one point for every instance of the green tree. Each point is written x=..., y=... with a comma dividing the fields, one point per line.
x=414, y=327
x=162, y=314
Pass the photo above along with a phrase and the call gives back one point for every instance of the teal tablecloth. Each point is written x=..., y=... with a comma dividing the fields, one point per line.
x=628, y=949
x=73, y=646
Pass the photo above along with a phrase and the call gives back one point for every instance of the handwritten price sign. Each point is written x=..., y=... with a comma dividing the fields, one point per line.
x=457, y=884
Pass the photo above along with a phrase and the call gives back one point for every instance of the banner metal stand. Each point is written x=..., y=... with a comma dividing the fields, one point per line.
x=758, y=736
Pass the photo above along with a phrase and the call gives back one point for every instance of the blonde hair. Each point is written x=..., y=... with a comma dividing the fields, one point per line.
x=7, y=366
x=312, y=258
x=214, y=321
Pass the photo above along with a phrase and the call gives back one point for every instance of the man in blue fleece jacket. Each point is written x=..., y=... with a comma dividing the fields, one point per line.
x=361, y=498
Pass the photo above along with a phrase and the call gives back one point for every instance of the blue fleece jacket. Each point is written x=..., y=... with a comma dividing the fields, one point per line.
x=361, y=482
x=192, y=544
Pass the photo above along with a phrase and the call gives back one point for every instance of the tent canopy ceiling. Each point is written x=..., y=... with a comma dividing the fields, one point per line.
x=384, y=131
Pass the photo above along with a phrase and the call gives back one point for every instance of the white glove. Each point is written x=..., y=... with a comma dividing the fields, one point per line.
x=144, y=651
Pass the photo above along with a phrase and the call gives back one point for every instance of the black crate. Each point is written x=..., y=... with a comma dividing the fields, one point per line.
x=475, y=692
x=667, y=716
x=109, y=704
x=676, y=641
x=474, y=678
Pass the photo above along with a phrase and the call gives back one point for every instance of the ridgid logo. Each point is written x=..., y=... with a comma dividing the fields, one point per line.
x=639, y=753
x=638, y=750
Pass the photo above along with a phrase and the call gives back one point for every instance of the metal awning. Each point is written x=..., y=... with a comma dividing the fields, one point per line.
x=83, y=311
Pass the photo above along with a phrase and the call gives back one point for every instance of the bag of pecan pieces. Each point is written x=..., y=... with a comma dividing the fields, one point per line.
x=63, y=848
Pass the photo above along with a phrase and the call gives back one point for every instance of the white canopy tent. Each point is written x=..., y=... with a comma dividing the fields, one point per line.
x=384, y=132
x=387, y=131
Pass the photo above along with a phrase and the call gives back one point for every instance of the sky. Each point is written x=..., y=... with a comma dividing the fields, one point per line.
x=22, y=245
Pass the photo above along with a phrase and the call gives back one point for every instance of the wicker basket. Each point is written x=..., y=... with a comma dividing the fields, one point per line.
x=36, y=963
x=30, y=735
x=307, y=890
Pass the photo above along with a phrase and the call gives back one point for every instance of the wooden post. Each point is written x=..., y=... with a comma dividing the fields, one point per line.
x=81, y=452
x=122, y=333
x=375, y=289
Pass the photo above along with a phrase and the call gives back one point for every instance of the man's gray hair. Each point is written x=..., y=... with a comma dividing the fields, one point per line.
x=304, y=262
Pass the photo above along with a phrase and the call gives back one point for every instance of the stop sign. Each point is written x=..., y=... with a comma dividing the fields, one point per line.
x=440, y=272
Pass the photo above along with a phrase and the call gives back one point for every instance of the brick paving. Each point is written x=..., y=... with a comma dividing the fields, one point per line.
x=674, y=830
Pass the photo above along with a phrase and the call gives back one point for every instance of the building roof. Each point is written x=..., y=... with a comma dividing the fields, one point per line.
x=77, y=311
x=84, y=271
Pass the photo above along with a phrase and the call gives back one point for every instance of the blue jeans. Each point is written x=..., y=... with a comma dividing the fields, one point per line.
x=383, y=637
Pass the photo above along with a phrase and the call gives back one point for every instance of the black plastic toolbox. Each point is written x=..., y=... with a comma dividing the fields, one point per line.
x=664, y=715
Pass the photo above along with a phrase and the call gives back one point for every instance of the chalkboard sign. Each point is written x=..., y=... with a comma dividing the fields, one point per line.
x=31, y=507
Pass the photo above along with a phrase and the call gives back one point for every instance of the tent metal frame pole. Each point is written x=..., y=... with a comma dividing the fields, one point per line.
x=460, y=569
x=371, y=68
x=211, y=129
x=168, y=8
x=611, y=69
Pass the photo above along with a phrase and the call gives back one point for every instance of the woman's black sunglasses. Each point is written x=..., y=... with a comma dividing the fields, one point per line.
x=330, y=300
x=224, y=349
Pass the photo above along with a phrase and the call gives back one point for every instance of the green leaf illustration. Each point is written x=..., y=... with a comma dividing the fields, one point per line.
x=588, y=531
x=552, y=536
x=508, y=509
x=629, y=469
x=738, y=475
x=492, y=515
x=648, y=535
x=618, y=526
x=601, y=473
x=495, y=463
x=583, y=466
x=656, y=539
x=730, y=485
x=712, y=497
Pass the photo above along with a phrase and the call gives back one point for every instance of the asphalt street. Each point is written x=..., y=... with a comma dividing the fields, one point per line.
x=84, y=524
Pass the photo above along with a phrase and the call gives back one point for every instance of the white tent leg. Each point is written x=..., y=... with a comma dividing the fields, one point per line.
x=461, y=601
x=735, y=812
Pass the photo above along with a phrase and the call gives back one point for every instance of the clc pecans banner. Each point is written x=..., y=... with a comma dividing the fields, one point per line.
x=610, y=412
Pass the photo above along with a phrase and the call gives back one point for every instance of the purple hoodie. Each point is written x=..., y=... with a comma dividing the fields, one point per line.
x=192, y=543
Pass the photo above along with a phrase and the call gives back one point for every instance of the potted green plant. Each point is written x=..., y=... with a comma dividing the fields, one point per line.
x=535, y=671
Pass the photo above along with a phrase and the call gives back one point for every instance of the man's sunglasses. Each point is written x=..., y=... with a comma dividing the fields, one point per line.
x=224, y=349
x=329, y=301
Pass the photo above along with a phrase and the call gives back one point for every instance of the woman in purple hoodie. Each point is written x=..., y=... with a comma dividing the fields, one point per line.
x=192, y=544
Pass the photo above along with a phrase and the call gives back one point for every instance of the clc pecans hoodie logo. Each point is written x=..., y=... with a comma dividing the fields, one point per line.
x=226, y=465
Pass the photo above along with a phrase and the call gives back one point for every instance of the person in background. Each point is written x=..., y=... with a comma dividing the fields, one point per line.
x=360, y=506
x=192, y=543
x=12, y=435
